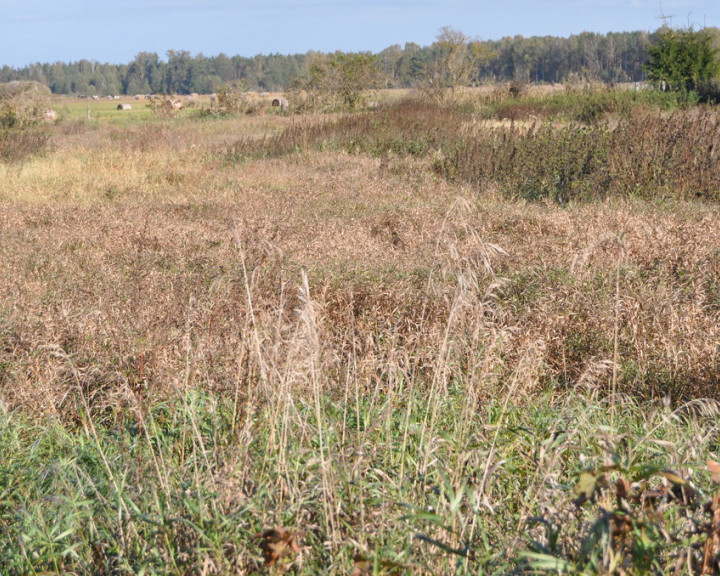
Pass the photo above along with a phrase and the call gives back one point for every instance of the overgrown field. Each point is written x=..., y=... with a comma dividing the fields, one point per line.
x=380, y=343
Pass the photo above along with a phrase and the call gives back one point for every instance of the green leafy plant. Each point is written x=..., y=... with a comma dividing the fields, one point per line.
x=340, y=79
x=634, y=517
x=683, y=60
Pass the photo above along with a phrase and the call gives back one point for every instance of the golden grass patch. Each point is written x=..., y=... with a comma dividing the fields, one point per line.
x=143, y=242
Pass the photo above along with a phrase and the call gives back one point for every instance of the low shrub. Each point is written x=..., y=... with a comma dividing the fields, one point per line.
x=22, y=134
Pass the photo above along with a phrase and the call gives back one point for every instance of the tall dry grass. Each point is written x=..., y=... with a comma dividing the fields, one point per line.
x=113, y=244
x=205, y=333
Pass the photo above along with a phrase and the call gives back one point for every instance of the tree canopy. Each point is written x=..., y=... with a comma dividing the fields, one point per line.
x=613, y=57
x=683, y=59
x=455, y=60
x=342, y=75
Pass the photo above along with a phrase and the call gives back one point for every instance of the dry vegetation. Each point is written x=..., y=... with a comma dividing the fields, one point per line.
x=361, y=330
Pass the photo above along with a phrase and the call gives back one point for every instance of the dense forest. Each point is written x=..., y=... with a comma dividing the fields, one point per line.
x=613, y=57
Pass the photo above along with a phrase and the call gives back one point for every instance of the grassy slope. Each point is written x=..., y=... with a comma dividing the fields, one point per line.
x=396, y=366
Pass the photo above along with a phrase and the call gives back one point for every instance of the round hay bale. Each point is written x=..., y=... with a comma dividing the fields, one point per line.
x=281, y=103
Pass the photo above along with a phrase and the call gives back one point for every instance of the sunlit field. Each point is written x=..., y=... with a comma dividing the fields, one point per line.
x=481, y=338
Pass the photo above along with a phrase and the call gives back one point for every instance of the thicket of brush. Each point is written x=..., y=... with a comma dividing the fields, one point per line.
x=22, y=135
x=564, y=149
x=364, y=353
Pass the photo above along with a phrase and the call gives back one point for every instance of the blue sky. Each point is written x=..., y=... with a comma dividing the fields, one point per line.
x=116, y=30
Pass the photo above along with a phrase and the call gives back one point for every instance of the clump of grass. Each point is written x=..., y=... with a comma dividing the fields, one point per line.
x=395, y=480
x=648, y=517
x=17, y=146
x=588, y=105
x=410, y=128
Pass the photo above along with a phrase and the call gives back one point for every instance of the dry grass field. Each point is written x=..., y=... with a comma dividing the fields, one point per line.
x=201, y=341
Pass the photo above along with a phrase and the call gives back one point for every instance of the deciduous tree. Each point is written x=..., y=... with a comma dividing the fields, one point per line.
x=342, y=77
x=456, y=59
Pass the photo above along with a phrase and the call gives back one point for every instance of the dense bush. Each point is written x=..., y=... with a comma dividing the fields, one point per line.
x=683, y=60
x=22, y=134
x=646, y=155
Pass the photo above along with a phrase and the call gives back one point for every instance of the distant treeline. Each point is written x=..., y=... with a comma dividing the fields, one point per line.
x=614, y=57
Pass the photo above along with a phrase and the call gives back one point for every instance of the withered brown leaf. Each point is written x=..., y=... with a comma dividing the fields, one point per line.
x=277, y=544
x=714, y=468
x=673, y=477
x=712, y=545
x=362, y=566
x=622, y=489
